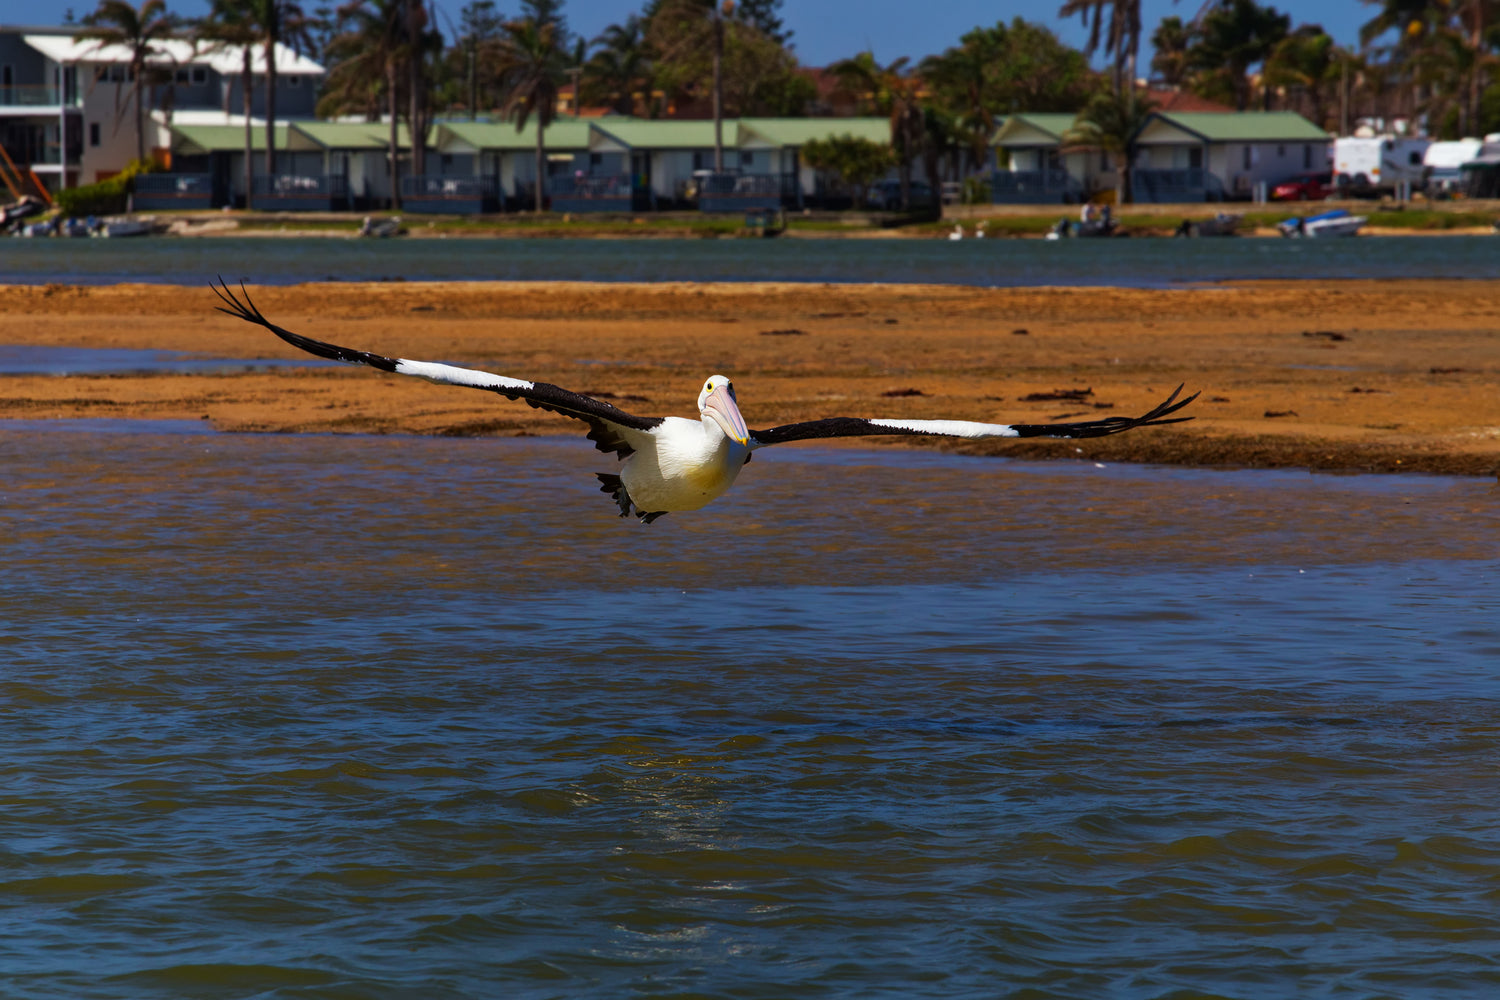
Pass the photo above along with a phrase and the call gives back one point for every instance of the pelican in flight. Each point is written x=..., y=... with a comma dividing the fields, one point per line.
x=671, y=463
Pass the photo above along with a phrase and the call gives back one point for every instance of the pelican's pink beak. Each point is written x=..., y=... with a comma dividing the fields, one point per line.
x=726, y=413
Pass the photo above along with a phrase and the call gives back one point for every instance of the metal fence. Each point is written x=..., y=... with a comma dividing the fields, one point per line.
x=1177, y=185
x=308, y=192
x=460, y=195
x=1034, y=187
x=167, y=191
x=738, y=192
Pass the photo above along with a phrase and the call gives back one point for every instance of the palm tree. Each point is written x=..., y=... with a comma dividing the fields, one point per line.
x=959, y=77
x=1111, y=122
x=1413, y=22
x=1170, y=40
x=892, y=92
x=140, y=30
x=1122, y=41
x=1233, y=37
x=481, y=27
x=370, y=53
x=682, y=27
x=619, y=67
x=533, y=65
x=421, y=42
x=229, y=25
x=281, y=22
x=1308, y=61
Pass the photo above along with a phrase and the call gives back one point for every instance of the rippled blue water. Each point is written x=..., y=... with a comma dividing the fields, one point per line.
x=1137, y=263
x=318, y=717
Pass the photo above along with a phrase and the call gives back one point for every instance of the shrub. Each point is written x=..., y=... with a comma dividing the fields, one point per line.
x=107, y=197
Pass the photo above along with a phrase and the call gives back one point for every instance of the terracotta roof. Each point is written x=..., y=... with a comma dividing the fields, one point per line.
x=1183, y=100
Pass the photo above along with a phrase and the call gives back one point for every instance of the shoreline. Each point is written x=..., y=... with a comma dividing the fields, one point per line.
x=1452, y=218
x=1361, y=375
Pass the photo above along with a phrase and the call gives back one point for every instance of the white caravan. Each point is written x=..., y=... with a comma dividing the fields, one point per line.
x=1379, y=163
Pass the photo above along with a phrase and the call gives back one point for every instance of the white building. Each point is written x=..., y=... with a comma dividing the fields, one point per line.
x=67, y=105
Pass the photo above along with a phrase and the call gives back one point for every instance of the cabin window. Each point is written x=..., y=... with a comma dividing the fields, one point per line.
x=1249, y=157
x=181, y=76
x=1415, y=159
x=93, y=133
x=6, y=79
x=698, y=161
x=294, y=81
x=200, y=75
x=1195, y=157
x=746, y=159
x=1307, y=157
x=596, y=160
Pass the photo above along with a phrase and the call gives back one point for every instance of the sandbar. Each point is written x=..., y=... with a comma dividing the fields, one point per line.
x=1390, y=376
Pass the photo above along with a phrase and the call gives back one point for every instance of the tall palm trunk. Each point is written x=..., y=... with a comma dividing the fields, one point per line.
x=271, y=102
x=247, y=83
x=395, y=139
x=718, y=91
x=416, y=115
x=1477, y=43
x=541, y=163
x=138, y=67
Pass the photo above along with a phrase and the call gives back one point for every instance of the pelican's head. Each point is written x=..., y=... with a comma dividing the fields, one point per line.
x=717, y=401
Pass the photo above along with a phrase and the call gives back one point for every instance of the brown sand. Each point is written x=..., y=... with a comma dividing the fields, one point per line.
x=1358, y=375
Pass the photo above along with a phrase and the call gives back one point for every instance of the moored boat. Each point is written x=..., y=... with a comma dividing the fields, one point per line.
x=118, y=226
x=1335, y=223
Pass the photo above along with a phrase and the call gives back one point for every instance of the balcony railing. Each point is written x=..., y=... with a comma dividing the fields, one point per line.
x=167, y=191
x=596, y=193
x=437, y=193
x=1029, y=187
x=174, y=184
x=324, y=192
x=28, y=96
x=1175, y=185
x=736, y=192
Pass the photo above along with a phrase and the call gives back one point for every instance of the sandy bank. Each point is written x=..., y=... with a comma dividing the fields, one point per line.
x=1334, y=375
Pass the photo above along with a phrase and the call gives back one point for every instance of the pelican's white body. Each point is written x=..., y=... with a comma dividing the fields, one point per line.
x=681, y=464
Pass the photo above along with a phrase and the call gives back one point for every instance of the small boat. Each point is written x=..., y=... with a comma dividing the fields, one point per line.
x=16, y=211
x=383, y=229
x=36, y=229
x=119, y=226
x=1068, y=229
x=1335, y=223
x=76, y=227
x=1223, y=224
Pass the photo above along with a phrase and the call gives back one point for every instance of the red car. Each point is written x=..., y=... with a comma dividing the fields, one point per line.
x=1305, y=187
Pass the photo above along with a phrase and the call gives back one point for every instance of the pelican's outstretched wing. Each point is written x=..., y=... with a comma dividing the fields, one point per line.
x=861, y=427
x=610, y=428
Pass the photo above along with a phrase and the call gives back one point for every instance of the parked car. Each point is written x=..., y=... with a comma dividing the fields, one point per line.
x=887, y=195
x=1305, y=187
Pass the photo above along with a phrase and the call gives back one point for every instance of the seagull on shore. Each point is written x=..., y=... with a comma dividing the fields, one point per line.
x=675, y=464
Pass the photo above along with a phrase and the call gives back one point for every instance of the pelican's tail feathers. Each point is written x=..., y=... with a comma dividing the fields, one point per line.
x=615, y=487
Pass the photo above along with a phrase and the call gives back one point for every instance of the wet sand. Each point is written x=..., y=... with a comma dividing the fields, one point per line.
x=1350, y=375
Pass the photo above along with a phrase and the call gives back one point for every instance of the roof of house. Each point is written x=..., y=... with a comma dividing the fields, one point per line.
x=351, y=135
x=643, y=133
x=196, y=140
x=227, y=59
x=1033, y=129
x=1184, y=100
x=797, y=131
x=1234, y=126
x=304, y=136
x=563, y=133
